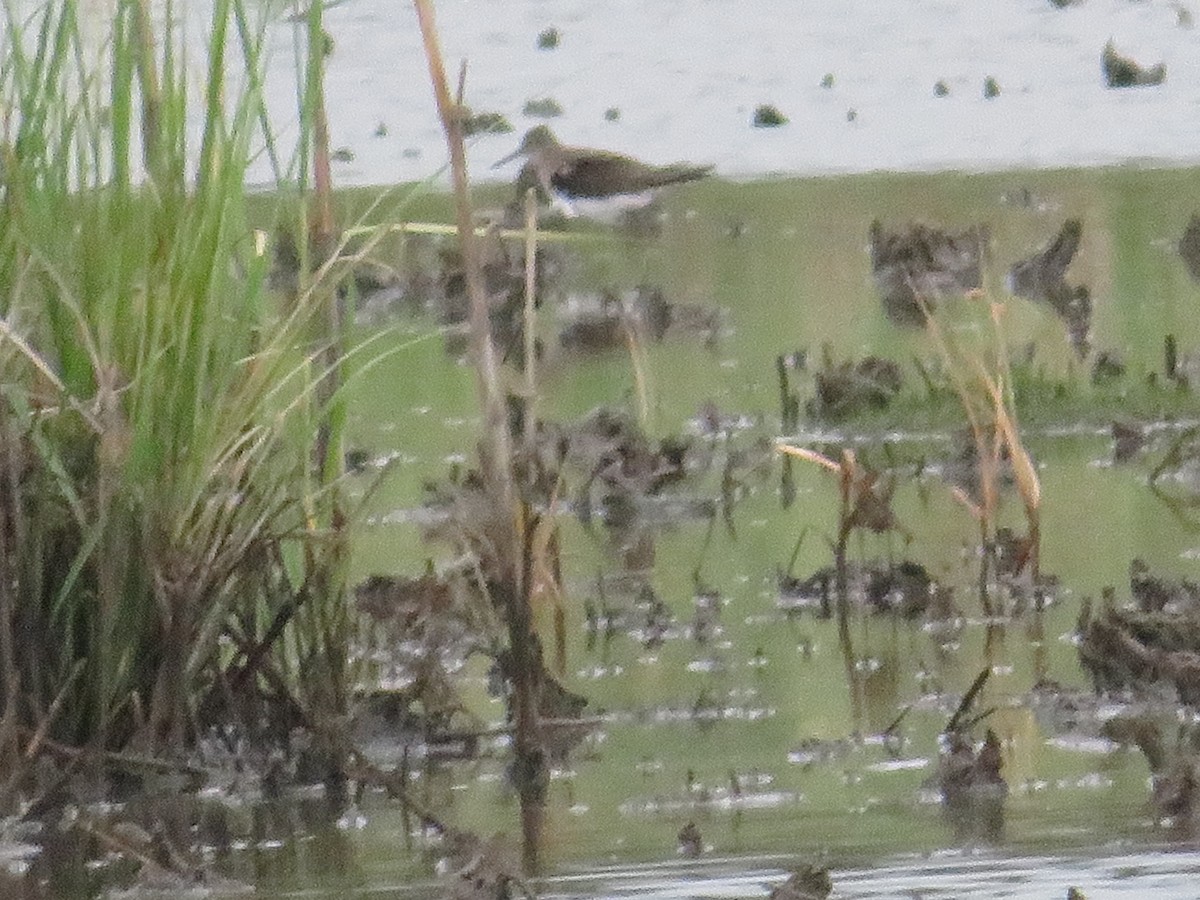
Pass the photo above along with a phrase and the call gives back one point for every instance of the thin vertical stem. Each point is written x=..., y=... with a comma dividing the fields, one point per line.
x=497, y=471
x=530, y=320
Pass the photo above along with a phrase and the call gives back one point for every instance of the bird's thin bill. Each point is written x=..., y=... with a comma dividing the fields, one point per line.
x=507, y=159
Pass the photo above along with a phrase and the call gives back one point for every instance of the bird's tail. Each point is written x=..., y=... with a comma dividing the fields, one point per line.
x=677, y=172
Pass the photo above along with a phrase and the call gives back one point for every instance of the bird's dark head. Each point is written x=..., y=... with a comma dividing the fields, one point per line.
x=540, y=137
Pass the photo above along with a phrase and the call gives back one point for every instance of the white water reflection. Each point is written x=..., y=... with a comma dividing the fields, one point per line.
x=952, y=874
x=686, y=76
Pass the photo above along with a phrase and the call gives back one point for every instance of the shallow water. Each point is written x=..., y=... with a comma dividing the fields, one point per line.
x=767, y=733
x=686, y=76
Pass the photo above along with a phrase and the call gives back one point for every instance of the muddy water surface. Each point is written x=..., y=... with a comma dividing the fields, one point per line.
x=720, y=702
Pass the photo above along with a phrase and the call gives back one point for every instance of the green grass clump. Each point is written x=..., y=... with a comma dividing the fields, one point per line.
x=168, y=538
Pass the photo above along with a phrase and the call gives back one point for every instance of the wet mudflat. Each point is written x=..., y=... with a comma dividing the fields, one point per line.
x=833, y=534
x=727, y=713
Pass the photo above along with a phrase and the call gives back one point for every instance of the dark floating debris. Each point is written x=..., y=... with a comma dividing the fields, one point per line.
x=503, y=271
x=1189, y=247
x=969, y=776
x=609, y=320
x=808, y=882
x=768, y=116
x=623, y=465
x=367, y=278
x=1154, y=594
x=1174, y=366
x=827, y=81
x=1172, y=751
x=1128, y=440
x=689, y=841
x=991, y=88
x=486, y=123
x=789, y=400
x=941, y=89
x=1136, y=650
x=1042, y=279
x=612, y=114
x=548, y=38
x=904, y=588
x=1121, y=72
x=483, y=870
x=848, y=389
x=1107, y=367
x=542, y=108
x=926, y=262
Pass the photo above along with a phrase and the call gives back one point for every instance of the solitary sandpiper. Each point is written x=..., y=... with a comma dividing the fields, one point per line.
x=579, y=180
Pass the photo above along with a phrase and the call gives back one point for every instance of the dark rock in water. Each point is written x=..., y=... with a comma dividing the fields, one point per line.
x=768, y=116
x=991, y=88
x=1042, y=278
x=808, y=882
x=848, y=389
x=689, y=841
x=941, y=89
x=1189, y=247
x=925, y=262
x=1121, y=72
x=1063, y=4
x=548, y=39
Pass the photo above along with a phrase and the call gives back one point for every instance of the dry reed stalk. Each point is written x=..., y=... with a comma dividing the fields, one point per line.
x=531, y=242
x=497, y=461
x=518, y=548
x=991, y=442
